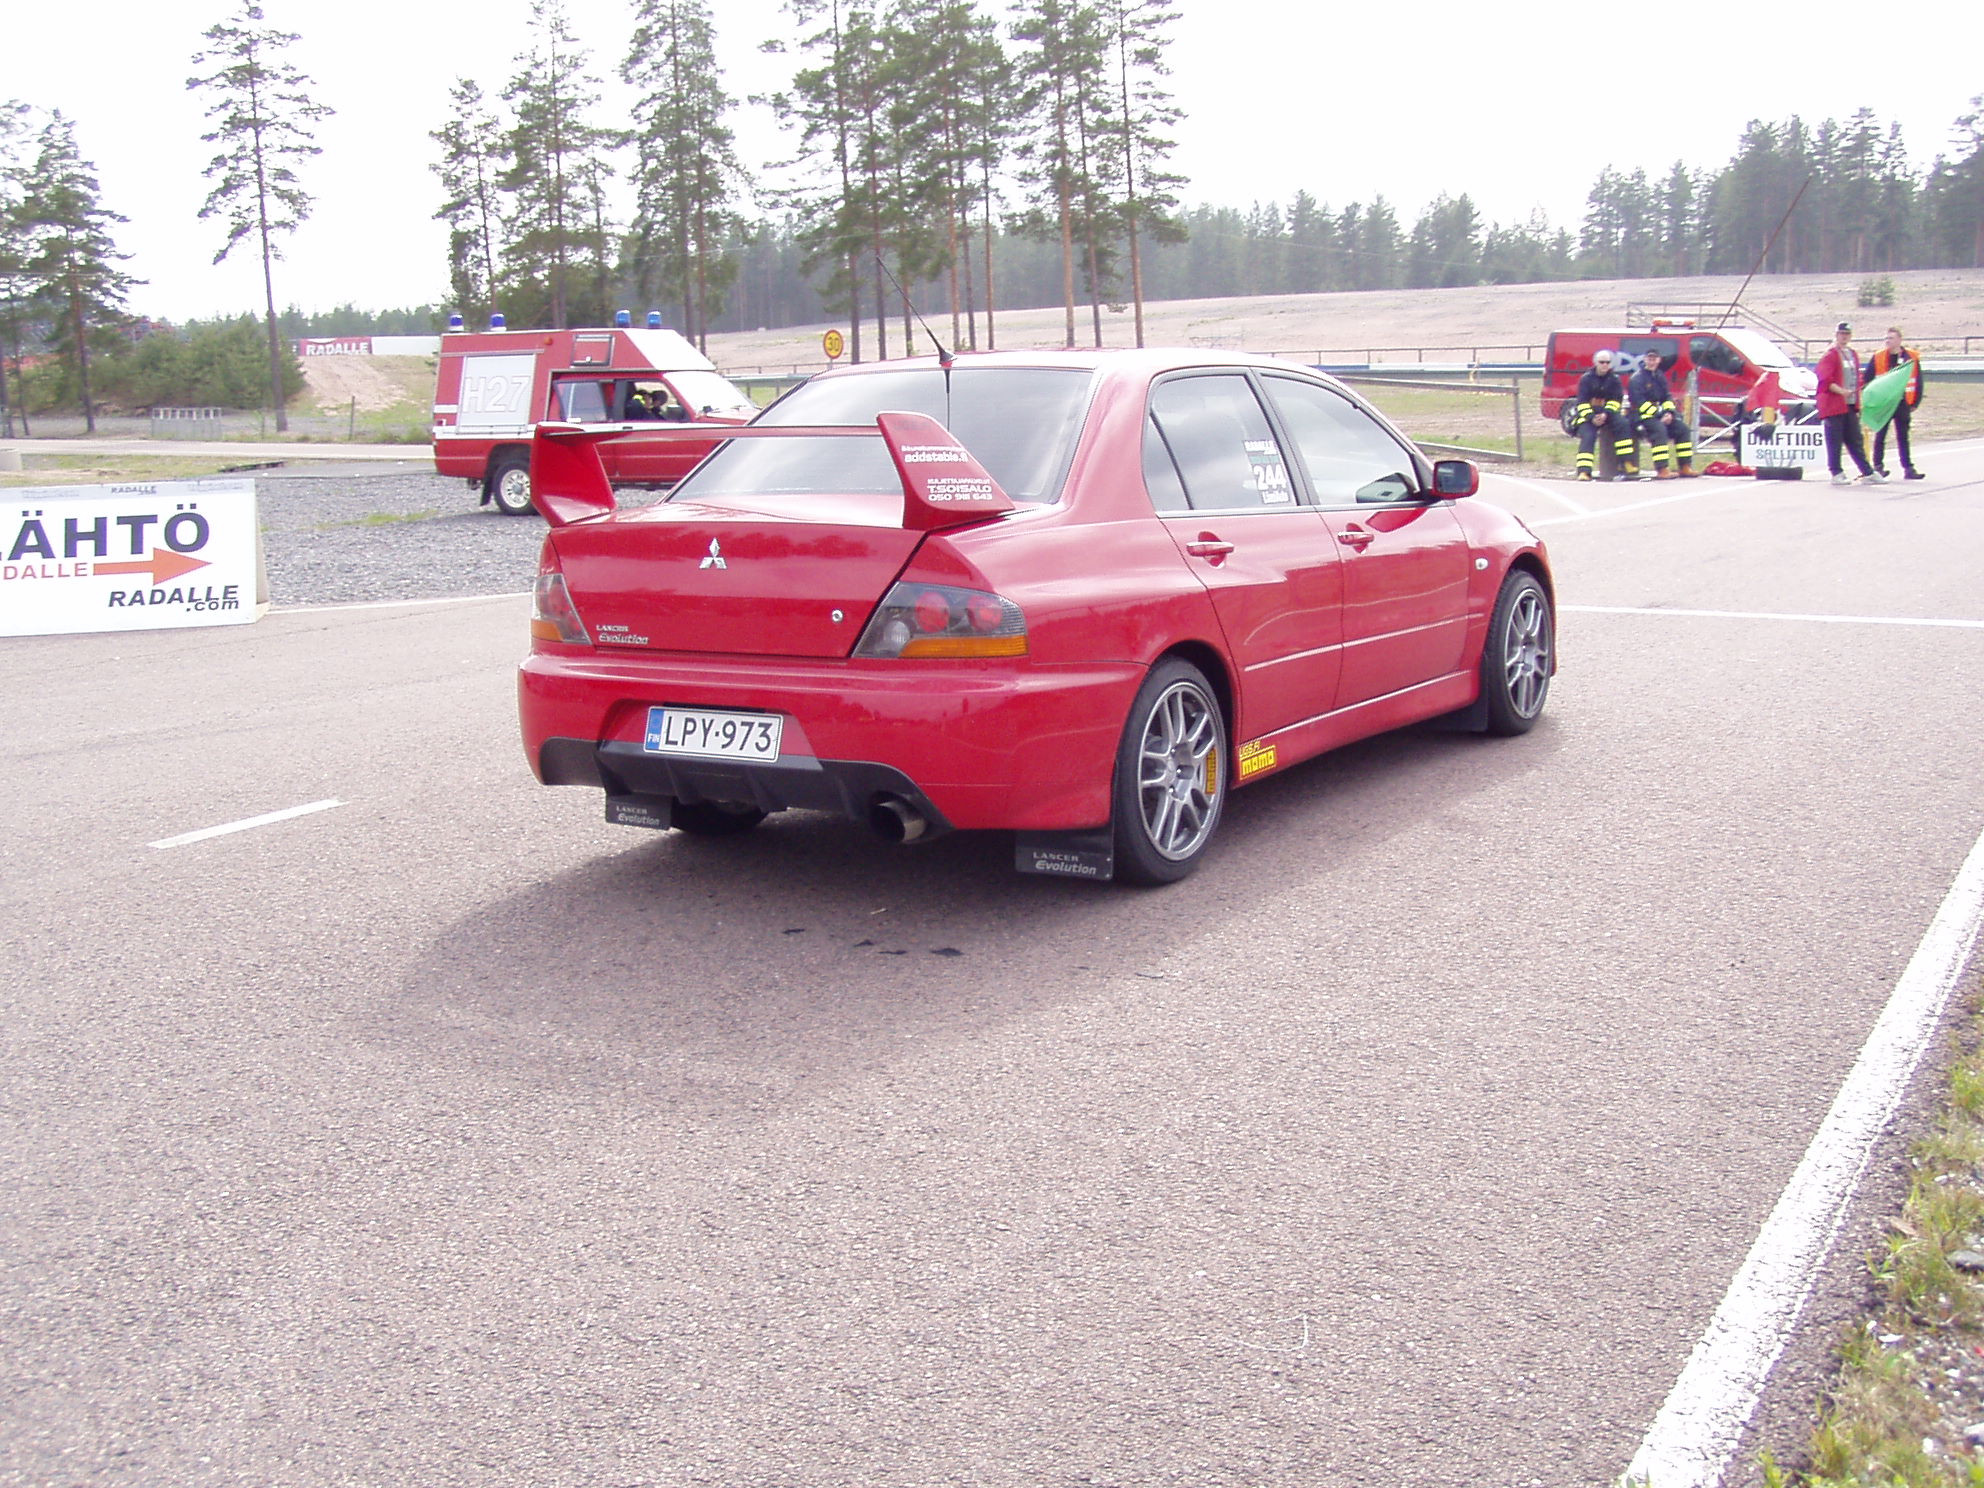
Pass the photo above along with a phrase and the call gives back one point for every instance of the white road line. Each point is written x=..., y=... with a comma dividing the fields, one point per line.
x=396, y=604
x=1770, y=615
x=1577, y=506
x=241, y=826
x=1613, y=511
x=1699, y=1426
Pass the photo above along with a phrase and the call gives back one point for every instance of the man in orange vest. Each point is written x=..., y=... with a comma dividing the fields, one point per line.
x=1890, y=356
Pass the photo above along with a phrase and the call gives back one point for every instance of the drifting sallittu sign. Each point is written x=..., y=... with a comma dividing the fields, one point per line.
x=129, y=557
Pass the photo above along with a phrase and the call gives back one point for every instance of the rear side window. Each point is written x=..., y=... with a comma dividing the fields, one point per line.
x=1020, y=423
x=1636, y=348
x=583, y=402
x=1349, y=456
x=1219, y=440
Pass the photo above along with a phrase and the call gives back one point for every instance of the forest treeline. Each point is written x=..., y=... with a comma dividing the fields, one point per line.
x=967, y=156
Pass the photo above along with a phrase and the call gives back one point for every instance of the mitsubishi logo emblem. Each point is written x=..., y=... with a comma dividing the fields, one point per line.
x=715, y=559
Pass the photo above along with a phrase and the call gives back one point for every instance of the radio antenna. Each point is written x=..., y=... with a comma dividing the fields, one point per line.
x=1769, y=243
x=944, y=357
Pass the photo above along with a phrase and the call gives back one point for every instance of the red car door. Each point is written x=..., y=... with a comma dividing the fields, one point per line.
x=1406, y=561
x=1221, y=483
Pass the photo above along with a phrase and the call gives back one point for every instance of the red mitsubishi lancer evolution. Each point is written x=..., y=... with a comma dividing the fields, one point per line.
x=1077, y=596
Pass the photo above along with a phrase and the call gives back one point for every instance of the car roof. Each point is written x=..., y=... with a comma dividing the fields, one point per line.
x=1123, y=361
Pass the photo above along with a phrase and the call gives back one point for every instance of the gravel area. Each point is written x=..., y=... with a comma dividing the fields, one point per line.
x=344, y=535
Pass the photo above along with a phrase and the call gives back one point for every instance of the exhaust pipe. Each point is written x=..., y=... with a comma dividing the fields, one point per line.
x=896, y=819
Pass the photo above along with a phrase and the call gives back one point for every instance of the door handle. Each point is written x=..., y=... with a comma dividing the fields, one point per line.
x=1356, y=537
x=1209, y=546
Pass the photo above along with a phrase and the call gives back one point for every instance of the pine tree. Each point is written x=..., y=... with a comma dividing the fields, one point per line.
x=16, y=159
x=1954, y=193
x=821, y=105
x=1896, y=206
x=263, y=120
x=951, y=112
x=473, y=153
x=1064, y=81
x=71, y=260
x=1678, y=229
x=552, y=180
x=1380, y=247
x=686, y=170
x=1145, y=113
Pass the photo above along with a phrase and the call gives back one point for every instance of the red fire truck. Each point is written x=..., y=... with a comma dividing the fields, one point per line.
x=495, y=387
x=1727, y=359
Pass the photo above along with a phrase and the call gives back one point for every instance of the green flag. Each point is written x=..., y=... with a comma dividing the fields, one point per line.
x=1881, y=397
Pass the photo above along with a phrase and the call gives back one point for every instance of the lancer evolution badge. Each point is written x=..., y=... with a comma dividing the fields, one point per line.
x=715, y=559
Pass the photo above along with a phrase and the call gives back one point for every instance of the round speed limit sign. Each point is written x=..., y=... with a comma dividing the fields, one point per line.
x=833, y=343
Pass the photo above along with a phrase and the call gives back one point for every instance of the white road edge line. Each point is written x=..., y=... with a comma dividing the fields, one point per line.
x=1700, y=1424
x=395, y=604
x=1769, y=615
x=241, y=826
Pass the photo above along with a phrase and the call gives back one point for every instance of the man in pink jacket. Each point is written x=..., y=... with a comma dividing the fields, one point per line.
x=1839, y=406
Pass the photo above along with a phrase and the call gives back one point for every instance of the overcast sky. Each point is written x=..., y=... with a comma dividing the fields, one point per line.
x=1343, y=100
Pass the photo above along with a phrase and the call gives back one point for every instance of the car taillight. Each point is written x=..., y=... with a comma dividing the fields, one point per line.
x=553, y=616
x=936, y=620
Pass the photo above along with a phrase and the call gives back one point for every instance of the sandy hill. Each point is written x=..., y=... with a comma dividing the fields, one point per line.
x=1935, y=307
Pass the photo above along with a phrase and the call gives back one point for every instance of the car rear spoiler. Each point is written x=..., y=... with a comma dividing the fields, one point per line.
x=942, y=484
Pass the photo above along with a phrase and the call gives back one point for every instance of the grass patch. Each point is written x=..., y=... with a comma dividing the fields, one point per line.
x=1906, y=1408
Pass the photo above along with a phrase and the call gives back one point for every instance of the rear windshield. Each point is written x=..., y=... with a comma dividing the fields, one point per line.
x=1020, y=423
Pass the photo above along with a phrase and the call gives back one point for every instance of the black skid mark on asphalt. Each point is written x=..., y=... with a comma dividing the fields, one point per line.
x=796, y=930
x=947, y=951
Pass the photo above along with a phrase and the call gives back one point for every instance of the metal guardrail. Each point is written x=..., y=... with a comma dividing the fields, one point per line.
x=1510, y=390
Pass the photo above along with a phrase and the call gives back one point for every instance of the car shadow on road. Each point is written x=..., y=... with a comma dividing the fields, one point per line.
x=807, y=951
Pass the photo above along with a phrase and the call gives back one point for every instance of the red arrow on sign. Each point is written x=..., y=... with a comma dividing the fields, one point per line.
x=162, y=566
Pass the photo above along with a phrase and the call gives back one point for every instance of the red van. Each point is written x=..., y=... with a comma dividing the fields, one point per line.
x=1729, y=359
x=493, y=388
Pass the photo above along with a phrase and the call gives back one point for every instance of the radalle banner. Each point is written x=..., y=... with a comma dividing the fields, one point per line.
x=154, y=556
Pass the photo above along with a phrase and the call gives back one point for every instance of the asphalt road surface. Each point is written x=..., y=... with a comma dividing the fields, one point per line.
x=447, y=1135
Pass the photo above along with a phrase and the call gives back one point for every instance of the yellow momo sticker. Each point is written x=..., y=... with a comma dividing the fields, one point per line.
x=1256, y=757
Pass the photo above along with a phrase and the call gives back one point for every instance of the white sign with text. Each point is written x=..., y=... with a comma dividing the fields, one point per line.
x=130, y=557
x=1791, y=444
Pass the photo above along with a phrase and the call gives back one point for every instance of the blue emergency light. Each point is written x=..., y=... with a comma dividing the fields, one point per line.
x=654, y=320
x=456, y=323
x=622, y=319
x=496, y=321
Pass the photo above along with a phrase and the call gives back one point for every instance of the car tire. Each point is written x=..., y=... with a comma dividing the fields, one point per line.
x=1171, y=775
x=1568, y=416
x=509, y=484
x=1515, y=662
x=714, y=818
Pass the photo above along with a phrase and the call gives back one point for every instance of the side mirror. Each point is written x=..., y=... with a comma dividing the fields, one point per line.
x=1455, y=478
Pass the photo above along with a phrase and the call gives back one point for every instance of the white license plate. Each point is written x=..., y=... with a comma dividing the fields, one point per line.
x=707, y=735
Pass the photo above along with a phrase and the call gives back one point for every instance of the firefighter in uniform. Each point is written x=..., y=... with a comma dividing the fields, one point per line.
x=1601, y=407
x=1667, y=436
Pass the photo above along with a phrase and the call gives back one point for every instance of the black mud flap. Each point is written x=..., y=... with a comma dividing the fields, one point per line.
x=640, y=811
x=1089, y=854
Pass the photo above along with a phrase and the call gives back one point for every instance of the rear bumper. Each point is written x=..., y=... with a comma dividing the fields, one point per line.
x=1017, y=745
